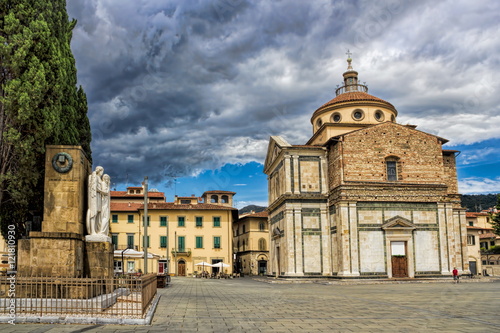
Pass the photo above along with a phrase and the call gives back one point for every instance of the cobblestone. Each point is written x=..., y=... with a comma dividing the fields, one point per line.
x=247, y=305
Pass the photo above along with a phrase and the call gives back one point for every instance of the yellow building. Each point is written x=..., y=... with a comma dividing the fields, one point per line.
x=180, y=234
x=251, y=241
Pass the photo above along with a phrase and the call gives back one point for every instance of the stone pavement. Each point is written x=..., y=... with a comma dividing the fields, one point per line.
x=247, y=305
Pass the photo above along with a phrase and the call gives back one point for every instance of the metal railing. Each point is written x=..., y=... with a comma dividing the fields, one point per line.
x=181, y=251
x=118, y=297
x=351, y=88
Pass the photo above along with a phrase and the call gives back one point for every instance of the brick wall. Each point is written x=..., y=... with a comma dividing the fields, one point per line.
x=364, y=152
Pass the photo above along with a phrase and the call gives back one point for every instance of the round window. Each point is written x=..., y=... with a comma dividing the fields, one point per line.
x=319, y=123
x=336, y=117
x=379, y=115
x=358, y=114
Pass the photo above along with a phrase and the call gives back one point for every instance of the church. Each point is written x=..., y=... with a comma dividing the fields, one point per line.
x=365, y=197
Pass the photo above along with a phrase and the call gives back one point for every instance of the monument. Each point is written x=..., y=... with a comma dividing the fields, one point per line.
x=61, y=249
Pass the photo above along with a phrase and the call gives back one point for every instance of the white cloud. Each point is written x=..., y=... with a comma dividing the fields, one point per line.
x=478, y=185
x=181, y=86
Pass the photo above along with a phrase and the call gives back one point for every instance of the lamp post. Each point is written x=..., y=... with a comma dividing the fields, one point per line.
x=175, y=252
x=145, y=242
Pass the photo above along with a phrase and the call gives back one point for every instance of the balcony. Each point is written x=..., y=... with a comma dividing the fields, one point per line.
x=181, y=252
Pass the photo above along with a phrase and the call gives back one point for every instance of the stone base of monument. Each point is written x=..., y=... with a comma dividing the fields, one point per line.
x=51, y=254
x=99, y=258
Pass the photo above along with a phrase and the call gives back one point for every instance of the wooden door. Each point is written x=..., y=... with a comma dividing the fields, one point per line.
x=181, y=271
x=399, y=266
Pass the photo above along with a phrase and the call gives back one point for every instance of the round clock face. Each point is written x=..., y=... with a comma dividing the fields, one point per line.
x=62, y=162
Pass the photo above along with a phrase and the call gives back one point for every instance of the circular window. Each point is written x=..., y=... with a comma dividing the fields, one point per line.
x=393, y=119
x=319, y=123
x=358, y=114
x=379, y=115
x=336, y=117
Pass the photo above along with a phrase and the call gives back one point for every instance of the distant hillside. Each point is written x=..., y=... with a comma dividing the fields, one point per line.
x=249, y=208
x=478, y=202
x=473, y=203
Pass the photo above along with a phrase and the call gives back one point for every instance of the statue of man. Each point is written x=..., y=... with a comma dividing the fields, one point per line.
x=95, y=201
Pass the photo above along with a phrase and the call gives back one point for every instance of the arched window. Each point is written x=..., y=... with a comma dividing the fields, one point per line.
x=392, y=168
x=214, y=199
x=243, y=229
x=238, y=245
x=224, y=199
x=262, y=226
x=262, y=244
x=244, y=245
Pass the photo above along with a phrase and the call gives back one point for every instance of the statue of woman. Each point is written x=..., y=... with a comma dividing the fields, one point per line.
x=105, y=208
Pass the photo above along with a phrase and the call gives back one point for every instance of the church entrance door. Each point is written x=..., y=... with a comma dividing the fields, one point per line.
x=399, y=259
x=399, y=266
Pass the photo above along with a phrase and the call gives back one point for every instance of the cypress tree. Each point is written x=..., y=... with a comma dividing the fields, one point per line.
x=495, y=218
x=40, y=103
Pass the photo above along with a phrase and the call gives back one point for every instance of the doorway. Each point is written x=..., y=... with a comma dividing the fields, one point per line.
x=473, y=267
x=162, y=267
x=262, y=267
x=399, y=259
x=181, y=268
x=278, y=268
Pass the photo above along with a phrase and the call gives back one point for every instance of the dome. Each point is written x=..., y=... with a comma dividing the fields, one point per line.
x=353, y=96
x=351, y=109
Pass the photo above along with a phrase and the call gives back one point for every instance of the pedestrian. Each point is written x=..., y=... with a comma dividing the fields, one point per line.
x=455, y=275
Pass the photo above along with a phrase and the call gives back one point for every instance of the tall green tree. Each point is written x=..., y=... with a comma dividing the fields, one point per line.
x=495, y=218
x=40, y=103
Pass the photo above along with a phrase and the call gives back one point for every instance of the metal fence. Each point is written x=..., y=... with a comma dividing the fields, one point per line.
x=118, y=297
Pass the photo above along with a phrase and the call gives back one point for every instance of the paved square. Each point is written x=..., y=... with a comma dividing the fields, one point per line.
x=246, y=305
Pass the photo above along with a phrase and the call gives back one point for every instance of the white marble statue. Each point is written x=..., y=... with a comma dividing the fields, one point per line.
x=98, y=212
x=105, y=205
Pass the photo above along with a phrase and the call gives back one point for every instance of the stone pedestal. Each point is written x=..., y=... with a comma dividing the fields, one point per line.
x=58, y=250
x=99, y=259
x=51, y=254
x=65, y=190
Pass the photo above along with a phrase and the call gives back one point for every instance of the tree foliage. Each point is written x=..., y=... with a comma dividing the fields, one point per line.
x=478, y=202
x=40, y=103
x=495, y=218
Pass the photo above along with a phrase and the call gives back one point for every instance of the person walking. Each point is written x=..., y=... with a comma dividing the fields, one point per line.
x=455, y=275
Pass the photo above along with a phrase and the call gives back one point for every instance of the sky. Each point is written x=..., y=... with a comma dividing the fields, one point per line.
x=188, y=93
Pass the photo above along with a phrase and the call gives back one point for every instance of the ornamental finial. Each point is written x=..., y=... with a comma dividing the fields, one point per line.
x=349, y=60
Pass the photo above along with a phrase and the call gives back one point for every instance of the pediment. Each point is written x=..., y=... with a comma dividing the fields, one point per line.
x=274, y=149
x=398, y=222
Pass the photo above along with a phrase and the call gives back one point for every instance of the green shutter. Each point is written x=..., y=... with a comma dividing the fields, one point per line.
x=163, y=221
x=130, y=218
x=114, y=241
x=181, y=246
x=199, y=221
x=216, y=221
x=130, y=241
x=217, y=242
x=115, y=218
x=180, y=221
x=163, y=241
x=199, y=242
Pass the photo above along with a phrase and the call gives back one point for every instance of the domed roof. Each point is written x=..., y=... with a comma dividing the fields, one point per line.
x=353, y=96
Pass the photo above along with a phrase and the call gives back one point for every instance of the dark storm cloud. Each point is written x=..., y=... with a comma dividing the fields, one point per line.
x=175, y=87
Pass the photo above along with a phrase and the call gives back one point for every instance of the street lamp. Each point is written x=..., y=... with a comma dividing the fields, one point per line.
x=145, y=242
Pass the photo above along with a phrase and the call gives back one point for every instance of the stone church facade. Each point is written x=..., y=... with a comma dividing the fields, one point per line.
x=365, y=196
